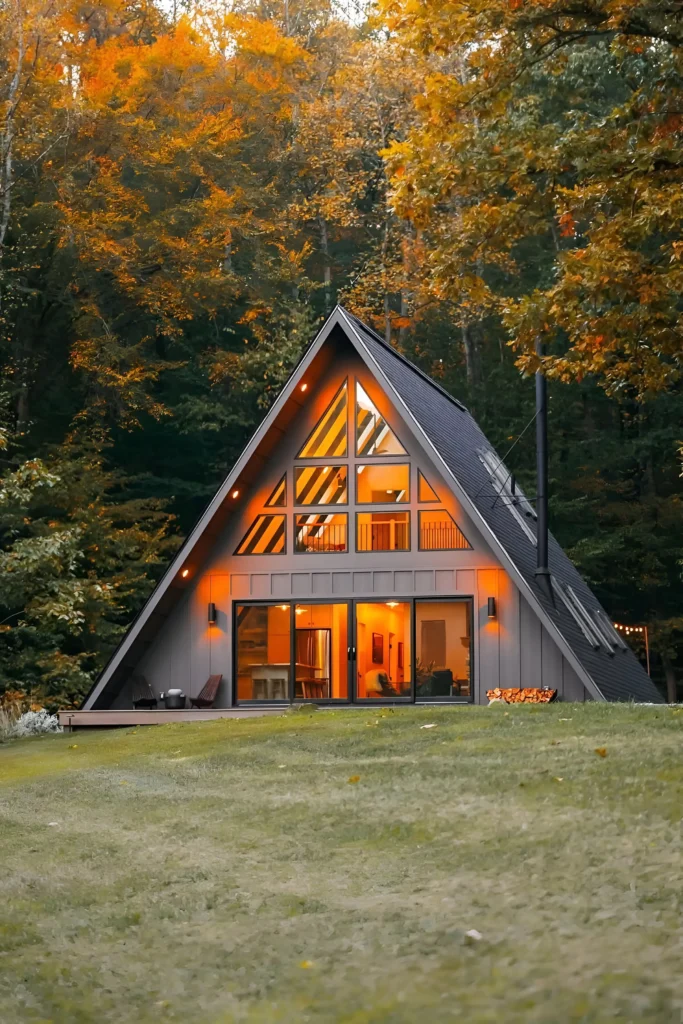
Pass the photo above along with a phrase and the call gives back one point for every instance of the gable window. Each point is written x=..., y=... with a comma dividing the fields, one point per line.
x=382, y=484
x=278, y=498
x=316, y=534
x=425, y=491
x=373, y=434
x=440, y=532
x=265, y=536
x=329, y=436
x=320, y=485
x=383, y=531
x=509, y=493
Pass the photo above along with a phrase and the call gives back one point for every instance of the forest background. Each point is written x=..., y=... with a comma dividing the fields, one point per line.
x=187, y=190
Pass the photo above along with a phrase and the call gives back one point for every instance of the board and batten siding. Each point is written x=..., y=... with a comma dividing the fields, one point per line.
x=511, y=650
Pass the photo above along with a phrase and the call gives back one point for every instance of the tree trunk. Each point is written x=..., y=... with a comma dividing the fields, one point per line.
x=470, y=349
x=327, y=268
x=6, y=148
x=671, y=682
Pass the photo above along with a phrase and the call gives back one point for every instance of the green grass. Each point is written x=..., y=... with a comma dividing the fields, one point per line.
x=229, y=871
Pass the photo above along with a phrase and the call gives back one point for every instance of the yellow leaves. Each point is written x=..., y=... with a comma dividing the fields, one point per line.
x=353, y=779
x=601, y=751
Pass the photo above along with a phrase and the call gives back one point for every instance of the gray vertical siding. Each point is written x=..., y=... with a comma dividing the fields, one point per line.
x=511, y=650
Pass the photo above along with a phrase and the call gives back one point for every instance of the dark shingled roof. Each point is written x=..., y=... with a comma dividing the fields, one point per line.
x=619, y=676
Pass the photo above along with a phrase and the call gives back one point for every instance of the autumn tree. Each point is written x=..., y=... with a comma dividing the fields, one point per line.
x=545, y=172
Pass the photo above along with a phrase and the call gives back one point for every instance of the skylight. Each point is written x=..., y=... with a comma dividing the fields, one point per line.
x=509, y=492
x=586, y=623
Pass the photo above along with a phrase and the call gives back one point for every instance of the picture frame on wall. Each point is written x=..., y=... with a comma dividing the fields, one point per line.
x=377, y=648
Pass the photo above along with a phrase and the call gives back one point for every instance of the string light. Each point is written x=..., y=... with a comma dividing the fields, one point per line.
x=630, y=629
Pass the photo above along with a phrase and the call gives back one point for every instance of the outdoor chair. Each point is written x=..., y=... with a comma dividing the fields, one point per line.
x=207, y=695
x=142, y=693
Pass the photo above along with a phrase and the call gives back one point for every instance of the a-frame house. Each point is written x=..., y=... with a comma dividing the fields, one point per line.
x=368, y=545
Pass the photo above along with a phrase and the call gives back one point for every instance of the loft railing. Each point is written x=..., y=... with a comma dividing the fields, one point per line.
x=320, y=538
x=391, y=536
x=442, y=538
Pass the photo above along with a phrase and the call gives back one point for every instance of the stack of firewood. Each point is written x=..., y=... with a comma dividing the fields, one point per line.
x=525, y=695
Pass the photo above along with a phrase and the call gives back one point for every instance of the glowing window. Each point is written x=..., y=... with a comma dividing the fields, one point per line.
x=383, y=531
x=314, y=534
x=279, y=496
x=425, y=491
x=440, y=532
x=265, y=536
x=329, y=437
x=320, y=485
x=373, y=435
x=382, y=484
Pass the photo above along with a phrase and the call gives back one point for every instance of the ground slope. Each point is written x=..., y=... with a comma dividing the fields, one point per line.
x=327, y=867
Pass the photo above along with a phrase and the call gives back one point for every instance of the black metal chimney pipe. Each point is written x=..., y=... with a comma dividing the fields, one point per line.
x=542, y=569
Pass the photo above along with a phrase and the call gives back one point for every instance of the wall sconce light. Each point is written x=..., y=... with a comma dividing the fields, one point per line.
x=492, y=607
x=212, y=613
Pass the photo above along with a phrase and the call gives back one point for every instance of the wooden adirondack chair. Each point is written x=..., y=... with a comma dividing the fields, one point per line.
x=208, y=693
x=143, y=694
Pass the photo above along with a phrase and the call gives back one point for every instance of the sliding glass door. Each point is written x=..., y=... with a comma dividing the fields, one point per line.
x=384, y=659
x=391, y=650
x=286, y=652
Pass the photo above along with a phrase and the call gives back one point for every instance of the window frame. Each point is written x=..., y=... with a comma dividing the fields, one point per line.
x=428, y=511
x=324, y=511
x=379, y=511
x=308, y=465
x=373, y=465
x=261, y=554
x=377, y=455
x=329, y=458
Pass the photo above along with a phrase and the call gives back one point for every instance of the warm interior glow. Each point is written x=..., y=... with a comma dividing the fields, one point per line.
x=382, y=483
x=384, y=656
x=443, y=633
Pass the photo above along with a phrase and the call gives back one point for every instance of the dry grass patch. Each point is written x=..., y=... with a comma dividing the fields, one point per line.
x=229, y=872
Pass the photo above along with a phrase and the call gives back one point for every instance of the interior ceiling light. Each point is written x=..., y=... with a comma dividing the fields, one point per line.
x=185, y=573
x=304, y=387
x=392, y=604
x=235, y=494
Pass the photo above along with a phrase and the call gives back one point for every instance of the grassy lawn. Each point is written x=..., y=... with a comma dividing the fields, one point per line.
x=233, y=871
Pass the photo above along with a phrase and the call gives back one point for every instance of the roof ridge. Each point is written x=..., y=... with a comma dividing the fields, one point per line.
x=404, y=359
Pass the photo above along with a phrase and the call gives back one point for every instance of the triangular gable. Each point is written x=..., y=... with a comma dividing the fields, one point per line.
x=390, y=370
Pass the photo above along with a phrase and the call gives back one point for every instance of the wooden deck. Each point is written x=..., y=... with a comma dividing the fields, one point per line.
x=104, y=719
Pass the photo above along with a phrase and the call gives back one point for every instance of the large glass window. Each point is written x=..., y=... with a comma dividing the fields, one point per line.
x=329, y=437
x=321, y=643
x=278, y=496
x=383, y=531
x=425, y=491
x=443, y=632
x=314, y=534
x=382, y=484
x=373, y=434
x=265, y=536
x=320, y=485
x=383, y=650
x=263, y=651
x=440, y=532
